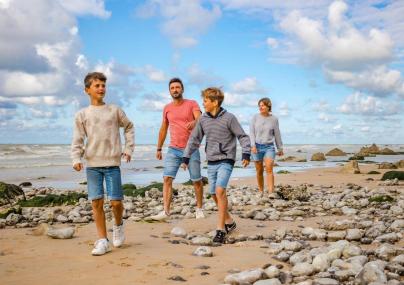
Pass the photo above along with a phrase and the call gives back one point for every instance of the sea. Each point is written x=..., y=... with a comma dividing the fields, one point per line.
x=46, y=165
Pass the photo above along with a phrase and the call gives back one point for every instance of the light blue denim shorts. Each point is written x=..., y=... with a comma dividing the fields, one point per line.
x=173, y=161
x=219, y=176
x=263, y=151
x=95, y=182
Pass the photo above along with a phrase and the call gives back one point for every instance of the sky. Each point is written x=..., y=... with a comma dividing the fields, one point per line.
x=333, y=69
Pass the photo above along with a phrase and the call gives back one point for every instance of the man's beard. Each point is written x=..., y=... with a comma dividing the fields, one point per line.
x=176, y=95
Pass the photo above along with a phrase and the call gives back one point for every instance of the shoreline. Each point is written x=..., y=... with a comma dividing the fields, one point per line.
x=151, y=254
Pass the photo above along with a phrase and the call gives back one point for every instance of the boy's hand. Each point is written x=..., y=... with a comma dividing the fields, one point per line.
x=184, y=166
x=191, y=125
x=159, y=155
x=254, y=149
x=126, y=157
x=78, y=166
x=280, y=153
x=245, y=162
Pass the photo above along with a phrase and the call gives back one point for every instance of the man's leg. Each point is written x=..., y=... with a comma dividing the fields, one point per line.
x=198, y=186
x=222, y=207
x=99, y=217
x=167, y=193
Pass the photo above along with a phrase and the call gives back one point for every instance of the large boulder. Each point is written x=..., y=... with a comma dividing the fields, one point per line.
x=387, y=165
x=335, y=152
x=352, y=167
x=393, y=174
x=400, y=163
x=369, y=151
x=292, y=159
x=387, y=151
x=9, y=192
x=319, y=156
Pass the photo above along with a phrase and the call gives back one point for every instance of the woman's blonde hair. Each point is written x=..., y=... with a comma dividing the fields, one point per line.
x=267, y=102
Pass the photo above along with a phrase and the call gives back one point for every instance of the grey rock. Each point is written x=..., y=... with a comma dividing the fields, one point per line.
x=399, y=259
x=259, y=216
x=291, y=245
x=61, y=233
x=178, y=232
x=344, y=275
x=200, y=240
x=273, y=281
x=321, y=262
x=204, y=251
x=282, y=256
x=372, y=272
x=390, y=237
x=272, y=272
x=336, y=235
x=12, y=219
x=353, y=234
x=302, y=269
x=245, y=277
x=61, y=219
x=397, y=225
x=299, y=257
x=351, y=250
x=325, y=281
x=385, y=251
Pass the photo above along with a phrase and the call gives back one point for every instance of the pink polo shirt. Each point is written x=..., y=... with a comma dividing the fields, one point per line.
x=177, y=117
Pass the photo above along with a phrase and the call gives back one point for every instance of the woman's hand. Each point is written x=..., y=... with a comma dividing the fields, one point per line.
x=254, y=149
x=280, y=153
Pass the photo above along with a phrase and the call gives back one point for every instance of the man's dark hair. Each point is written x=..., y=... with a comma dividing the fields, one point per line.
x=90, y=77
x=176, y=79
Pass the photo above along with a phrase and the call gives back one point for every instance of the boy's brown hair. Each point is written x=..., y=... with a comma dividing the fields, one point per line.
x=90, y=77
x=267, y=102
x=213, y=94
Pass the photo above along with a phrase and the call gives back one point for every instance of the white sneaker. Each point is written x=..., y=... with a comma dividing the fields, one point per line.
x=161, y=217
x=118, y=235
x=199, y=213
x=101, y=247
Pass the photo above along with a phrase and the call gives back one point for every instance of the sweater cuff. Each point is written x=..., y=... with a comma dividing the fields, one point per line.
x=245, y=156
x=185, y=160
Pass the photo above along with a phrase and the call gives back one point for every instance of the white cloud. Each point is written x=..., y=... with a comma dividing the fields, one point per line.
x=154, y=74
x=183, y=20
x=248, y=85
x=283, y=110
x=201, y=78
x=5, y=4
x=359, y=104
x=155, y=102
x=239, y=100
x=321, y=106
x=337, y=129
x=41, y=114
x=324, y=117
x=365, y=129
x=272, y=42
x=86, y=7
x=379, y=81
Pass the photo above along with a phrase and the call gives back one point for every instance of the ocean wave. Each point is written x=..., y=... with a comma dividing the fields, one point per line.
x=34, y=165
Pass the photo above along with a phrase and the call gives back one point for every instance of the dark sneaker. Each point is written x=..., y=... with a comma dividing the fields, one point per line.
x=230, y=227
x=220, y=237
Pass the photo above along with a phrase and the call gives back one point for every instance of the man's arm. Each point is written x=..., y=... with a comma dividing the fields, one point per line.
x=162, y=138
x=129, y=134
x=196, y=113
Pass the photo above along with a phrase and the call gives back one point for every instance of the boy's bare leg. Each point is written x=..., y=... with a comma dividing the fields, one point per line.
x=222, y=207
x=99, y=217
x=167, y=193
x=269, y=166
x=117, y=210
x=198, y=186
x=259, y=167
x=228, y=220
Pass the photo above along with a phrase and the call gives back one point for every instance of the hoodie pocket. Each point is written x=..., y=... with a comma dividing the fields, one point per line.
x=221, y=150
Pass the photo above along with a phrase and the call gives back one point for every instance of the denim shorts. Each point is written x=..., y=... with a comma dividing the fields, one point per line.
x=113, y=183
x=219, y=175
x=173, y=161
x=263, y=151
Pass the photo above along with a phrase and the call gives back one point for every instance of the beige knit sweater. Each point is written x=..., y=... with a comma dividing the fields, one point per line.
x=99, y=125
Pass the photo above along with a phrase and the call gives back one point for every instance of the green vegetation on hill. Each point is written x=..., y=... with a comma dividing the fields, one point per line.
x=393, y=174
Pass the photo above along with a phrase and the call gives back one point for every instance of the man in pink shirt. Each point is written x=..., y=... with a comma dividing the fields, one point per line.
x=180, y=117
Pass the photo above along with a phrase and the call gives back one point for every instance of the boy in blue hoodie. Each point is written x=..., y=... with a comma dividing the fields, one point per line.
x=221, y=129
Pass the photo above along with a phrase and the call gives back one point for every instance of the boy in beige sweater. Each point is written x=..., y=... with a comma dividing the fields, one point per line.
x=99, y=125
